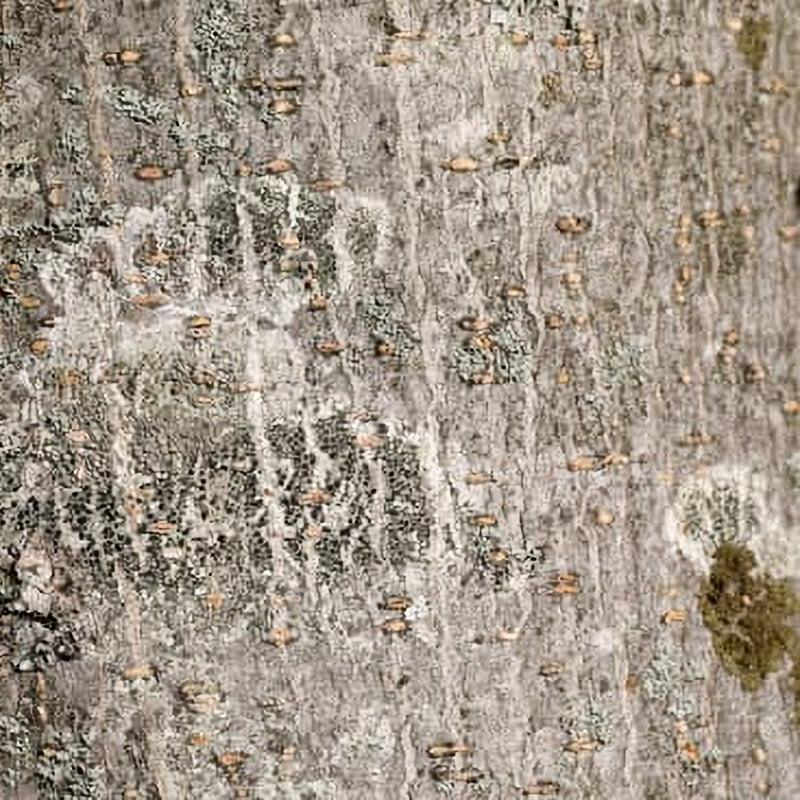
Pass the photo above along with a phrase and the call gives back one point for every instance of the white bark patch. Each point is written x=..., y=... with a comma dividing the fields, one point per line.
x=35, y=571
x=729, y=501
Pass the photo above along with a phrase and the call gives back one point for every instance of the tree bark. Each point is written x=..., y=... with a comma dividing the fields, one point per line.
x=379, y=380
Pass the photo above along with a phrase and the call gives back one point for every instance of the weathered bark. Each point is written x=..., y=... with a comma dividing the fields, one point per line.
x=442, y=317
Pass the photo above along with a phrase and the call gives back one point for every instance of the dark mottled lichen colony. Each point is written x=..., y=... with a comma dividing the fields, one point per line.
x=407, y=529
x=752, y=618
x=752, y=41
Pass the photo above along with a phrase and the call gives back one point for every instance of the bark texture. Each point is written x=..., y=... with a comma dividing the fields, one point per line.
x=378, y=382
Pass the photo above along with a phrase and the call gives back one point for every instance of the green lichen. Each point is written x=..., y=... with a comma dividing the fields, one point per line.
x=794, y=679
x=586, y=719
x=750, y=617
x=666, y=682
x=751, y=41
x=793, y=469
x=505, y=353
x=595, y=416
x=382, y=313
x=624, y=363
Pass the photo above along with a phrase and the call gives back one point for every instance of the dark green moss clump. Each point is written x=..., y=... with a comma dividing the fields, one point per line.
x=751, y=41
x=750, y=618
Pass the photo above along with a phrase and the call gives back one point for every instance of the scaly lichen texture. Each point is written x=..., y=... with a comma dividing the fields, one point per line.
x=750, y=617
x=753, y=41
x=399, y=399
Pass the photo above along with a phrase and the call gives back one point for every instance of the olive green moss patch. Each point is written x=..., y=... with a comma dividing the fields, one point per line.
x=751, y=41
x=750, y=617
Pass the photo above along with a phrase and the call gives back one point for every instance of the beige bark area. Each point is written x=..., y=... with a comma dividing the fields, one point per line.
x=511, y=334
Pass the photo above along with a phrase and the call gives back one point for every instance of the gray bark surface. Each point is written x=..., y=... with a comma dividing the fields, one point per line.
x=511, y=334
